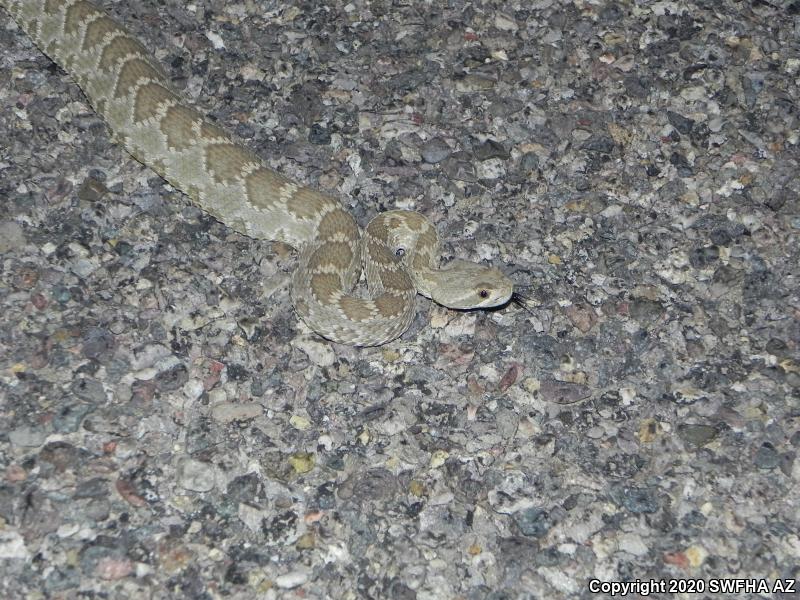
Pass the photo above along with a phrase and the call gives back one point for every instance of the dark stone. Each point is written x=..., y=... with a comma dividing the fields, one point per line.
x=460, y=167
x=70, y=416
x=701, y=258
x=90, y=390
x=306, y=103
x=725, y=275
x=529, y=162
x=97, y=343
x=435, y=150
x=319, y=135
x=100, y=549
x=62, y=578
x=244, y=488
x=600, y=143
x=661, y=48
x=374, y=484
x=636, y=500
x=235, y=575
x=279, y=526
x=516, y=552
x=757, y=285
x=636, y=86
x=63, y=456
x=563, y=392
x=776, y=346
x=326, y=498
x=680, y=162
x=767, y=457
x=394, y=151
x=682, y=124
x=172, y=379
x=794, y=441
x=720, y=237
x=92, y=190
x=237, y=372
x=123, y=249
x=779, y=198
x=697, y=435
x=397, y=590
x=491, y=149
x=699, y=134
x=645, y=311
x=533, y=522
x=96, y=487
x=623, y=465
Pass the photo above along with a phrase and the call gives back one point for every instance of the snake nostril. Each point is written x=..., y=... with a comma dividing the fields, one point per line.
x=483, y=294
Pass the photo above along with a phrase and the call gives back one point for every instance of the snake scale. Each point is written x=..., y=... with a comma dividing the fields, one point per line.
x=398, y=250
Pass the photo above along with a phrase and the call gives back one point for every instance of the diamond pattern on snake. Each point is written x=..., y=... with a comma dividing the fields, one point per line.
x=398, y=250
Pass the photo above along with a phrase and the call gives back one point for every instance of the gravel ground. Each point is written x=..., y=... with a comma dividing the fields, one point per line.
x=169, y=430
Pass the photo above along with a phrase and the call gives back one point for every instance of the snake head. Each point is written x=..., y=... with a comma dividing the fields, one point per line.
x=461, y=284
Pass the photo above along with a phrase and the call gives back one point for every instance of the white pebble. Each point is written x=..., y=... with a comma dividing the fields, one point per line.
x=291, y=579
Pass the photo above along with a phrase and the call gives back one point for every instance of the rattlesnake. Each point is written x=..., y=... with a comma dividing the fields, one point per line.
x=399, y=249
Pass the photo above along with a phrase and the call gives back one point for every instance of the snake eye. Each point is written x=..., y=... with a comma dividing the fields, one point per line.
x=400, y=252
x=483, y=293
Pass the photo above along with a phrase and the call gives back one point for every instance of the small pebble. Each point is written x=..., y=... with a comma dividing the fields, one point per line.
x=291, y=580
x=196, y=476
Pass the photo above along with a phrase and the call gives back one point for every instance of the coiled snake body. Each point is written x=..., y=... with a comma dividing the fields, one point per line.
x=399, y=249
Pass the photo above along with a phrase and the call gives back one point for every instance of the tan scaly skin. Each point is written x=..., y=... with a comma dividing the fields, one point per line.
x=399, y=249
